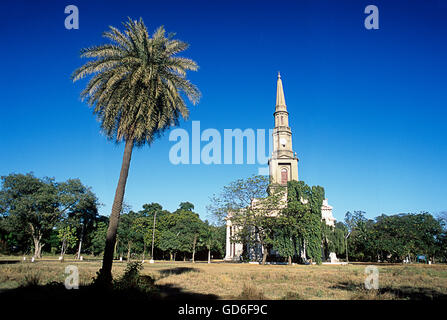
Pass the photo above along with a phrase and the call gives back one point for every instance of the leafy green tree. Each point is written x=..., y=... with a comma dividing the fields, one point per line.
x=142, y=228
x=169, y=242
x=153, y=211
x=136, y=94
x=85, y=214
x=407, y=235
x=186, y=206
x=180, y=232
x=360, y=241
x=67, y=237
x=252, y=209
x=36, y=205
x=333, y=238
x=127, y=233
x=211, y=238
x=284, y=235
x=304, y=205
x=98, y=238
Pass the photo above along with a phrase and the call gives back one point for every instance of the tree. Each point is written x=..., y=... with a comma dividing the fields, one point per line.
x=252, y=208
x=169, y=242
x=186, y=206
x=333, y=238
x=136, y=93
x=154, y=211
x=99, y=238
x=37, y=204
x=211, y=239
x=86, y=214
x=126, y=233
x=407, y=235
x=284, y=237
x=67, y=236
x=142, y=228
x=304, y=206
x=359, y=243
x=180, y=232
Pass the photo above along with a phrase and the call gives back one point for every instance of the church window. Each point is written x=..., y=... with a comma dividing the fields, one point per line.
x=284, y=176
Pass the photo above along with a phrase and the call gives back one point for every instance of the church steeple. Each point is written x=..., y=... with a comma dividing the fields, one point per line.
x=281, y=114
x=284, y=163
x=280, y=100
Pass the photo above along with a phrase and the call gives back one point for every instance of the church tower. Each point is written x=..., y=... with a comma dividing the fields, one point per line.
x=283, y=165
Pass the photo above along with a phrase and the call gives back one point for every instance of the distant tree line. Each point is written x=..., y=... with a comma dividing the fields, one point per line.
x=40, y=215
x=395, y=238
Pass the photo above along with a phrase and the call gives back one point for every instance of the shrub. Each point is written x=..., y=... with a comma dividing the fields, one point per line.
x=250, y=292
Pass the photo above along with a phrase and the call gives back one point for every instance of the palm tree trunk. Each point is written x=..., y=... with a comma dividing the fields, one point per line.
x=106, y=270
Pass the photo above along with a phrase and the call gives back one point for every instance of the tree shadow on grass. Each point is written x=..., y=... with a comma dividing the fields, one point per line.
x=414, y=293
x=9, y=261
x=179, y=270
x=56, y=291
x=405, y=292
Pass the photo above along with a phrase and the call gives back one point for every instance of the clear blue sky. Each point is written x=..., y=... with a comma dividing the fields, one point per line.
x=367, y=107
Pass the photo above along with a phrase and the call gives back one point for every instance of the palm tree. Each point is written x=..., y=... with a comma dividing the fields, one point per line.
x=136, y=93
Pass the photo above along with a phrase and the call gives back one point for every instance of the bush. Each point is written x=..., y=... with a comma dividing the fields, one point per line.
x=132, y=279
x=250, y=292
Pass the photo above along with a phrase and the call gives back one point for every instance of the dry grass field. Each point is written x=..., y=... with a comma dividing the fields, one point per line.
x=247, y=281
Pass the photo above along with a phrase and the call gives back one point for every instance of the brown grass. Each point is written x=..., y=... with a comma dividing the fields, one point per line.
x=246, y=281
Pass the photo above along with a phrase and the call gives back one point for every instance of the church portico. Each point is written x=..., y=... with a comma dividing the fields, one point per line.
x=233, y=250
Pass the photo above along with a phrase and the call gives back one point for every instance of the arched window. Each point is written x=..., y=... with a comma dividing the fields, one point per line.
x=284, y=176
x=282, y=120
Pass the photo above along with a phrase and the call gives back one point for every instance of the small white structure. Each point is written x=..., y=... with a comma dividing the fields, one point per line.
x=333, y=257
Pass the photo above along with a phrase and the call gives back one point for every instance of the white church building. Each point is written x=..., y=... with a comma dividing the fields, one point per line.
x=283, y=167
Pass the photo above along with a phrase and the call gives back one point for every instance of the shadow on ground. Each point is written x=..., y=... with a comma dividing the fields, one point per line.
x=9, y=261
x=179, y=270
x=58, y=292
x=411, y=293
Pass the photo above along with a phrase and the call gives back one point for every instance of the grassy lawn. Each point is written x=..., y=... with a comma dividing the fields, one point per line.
x=246, y=281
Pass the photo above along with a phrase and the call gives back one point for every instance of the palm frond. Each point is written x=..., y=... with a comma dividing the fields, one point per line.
x=137, y=82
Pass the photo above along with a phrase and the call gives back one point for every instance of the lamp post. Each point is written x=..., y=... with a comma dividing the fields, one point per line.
x=346, y=243
x=153, y=238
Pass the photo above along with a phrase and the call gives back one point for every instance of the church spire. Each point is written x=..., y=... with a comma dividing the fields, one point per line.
x=283, y=165
x=280, y=100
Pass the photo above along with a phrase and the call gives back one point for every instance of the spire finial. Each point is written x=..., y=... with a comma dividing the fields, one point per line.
x=280, y=100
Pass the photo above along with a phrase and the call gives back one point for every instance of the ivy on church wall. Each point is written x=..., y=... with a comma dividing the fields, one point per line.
x=333, y=239
x=301, y=221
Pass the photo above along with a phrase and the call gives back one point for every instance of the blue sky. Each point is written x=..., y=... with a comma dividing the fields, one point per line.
x=367, y=107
